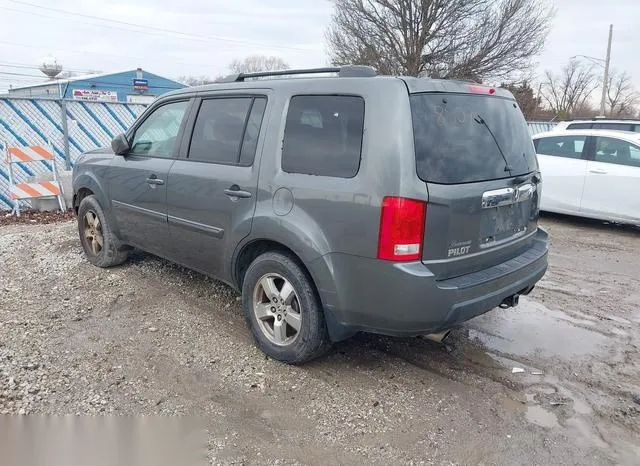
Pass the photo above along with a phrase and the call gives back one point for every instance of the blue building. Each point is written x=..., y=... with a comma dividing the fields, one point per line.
x=134, y=86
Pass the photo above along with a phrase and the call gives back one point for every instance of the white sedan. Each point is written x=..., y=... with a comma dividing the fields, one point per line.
x=591, y=173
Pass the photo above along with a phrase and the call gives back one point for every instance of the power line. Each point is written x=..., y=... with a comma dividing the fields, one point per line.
x=143, y=26
x=104, y=26
x=32, y=67
x=188, y=36
x=21, y=74
x=85, y=52
x=13, y=80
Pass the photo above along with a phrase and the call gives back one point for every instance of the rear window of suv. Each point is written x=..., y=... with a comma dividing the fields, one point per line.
x=465, y=138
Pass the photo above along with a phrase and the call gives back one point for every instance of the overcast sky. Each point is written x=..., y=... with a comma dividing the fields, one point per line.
x=213, y=32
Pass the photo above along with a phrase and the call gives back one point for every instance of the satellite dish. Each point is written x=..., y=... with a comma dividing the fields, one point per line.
x=50, y=67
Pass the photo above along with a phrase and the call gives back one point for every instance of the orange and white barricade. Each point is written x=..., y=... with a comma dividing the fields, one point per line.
x=20, y=191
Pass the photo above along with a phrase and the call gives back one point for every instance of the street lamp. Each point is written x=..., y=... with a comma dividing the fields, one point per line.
x=605, y=64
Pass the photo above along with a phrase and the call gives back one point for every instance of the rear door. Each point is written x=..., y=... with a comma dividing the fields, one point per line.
x=476, y=155
x=563, y=167
x=612, y=187
x=211, y=194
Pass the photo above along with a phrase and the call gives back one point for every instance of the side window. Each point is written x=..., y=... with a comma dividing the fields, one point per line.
x=217, y=133
x=613, y=126
x=561, y=146
x=610, y=150
x=580, y=126
x=156, y=136
x=252, y=132
x=323, y=135
x=636, y=128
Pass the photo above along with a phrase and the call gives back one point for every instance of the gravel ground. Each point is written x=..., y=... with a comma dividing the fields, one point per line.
x=152, y=338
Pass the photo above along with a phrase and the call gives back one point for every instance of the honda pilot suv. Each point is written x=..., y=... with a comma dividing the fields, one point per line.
x=334, y=200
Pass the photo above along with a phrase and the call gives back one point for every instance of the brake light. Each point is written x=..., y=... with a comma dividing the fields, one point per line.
x=476, y=89
x=401, y=229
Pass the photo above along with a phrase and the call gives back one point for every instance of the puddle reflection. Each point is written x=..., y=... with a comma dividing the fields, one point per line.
x=531, y=328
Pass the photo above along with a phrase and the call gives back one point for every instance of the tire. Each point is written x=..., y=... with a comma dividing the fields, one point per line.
x=93, y=227
x=298, y=306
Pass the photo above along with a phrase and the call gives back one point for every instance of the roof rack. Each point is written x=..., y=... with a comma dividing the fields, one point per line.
x=601, y=118
x=347, y=71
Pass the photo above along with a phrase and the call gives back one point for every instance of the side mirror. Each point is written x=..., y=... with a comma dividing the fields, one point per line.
x=120, y=145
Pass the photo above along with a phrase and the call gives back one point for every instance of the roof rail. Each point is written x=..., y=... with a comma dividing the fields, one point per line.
x=347, y=71
x=601, y=118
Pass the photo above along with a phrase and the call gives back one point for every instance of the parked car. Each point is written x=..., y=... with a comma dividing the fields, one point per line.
x=600, y=123
x=335, y=204
x=591, y=173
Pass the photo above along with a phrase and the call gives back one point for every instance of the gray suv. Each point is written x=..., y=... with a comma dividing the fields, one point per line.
x=336, y=203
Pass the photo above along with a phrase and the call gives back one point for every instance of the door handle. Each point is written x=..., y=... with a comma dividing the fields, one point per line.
x=598, y=171
x=235, y=191
x=154, y=180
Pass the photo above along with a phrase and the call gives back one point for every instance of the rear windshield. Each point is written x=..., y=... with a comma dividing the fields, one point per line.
x=464, y=138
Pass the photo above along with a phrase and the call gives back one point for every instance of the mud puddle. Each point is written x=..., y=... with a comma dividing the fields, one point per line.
x=533, y=329
x=550, y=350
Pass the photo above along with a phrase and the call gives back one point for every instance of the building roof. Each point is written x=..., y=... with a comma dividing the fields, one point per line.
x=86, y=77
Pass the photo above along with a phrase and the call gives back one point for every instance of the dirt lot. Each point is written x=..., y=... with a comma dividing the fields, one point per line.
x=152, y=338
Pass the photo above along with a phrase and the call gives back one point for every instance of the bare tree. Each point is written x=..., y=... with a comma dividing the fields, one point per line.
x=570, y=90
x=585, y=110
x=195, y=81
x=472, y=39
x=255, y=63
x=621, y=97
x=528, y=100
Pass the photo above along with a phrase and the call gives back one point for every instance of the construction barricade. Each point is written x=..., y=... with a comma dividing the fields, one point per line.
x=36, y=189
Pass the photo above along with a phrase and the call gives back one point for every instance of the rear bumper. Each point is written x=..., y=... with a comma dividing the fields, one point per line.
x=405, y=299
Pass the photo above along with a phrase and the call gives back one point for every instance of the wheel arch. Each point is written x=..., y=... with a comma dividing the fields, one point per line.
x=79, y=196
x=248, y=252
x=86, y=184
x=315, y=269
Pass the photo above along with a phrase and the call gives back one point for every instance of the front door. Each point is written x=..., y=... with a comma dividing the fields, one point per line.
x=137, y=180
x=612, y=188
x=212, y=187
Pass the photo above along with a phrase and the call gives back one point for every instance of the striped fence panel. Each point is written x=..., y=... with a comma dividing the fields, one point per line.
x=32, y=122
x=536, y=127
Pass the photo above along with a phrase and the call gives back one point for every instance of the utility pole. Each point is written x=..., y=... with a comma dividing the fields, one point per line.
x=65, y=127
x=605, y=84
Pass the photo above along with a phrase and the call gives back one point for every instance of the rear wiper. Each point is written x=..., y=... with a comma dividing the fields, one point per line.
x=480, y=120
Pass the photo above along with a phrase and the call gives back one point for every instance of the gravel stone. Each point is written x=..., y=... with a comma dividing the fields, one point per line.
x=150, y=338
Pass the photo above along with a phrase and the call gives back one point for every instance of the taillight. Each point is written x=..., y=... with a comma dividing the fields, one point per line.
x=479, y=89
x=401, y=229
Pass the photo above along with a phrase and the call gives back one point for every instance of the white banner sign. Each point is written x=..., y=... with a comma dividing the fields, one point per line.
x=140, y=99
x=94, y=95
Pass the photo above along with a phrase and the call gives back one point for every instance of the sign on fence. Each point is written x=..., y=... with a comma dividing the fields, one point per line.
x=140, y=99
x=94, y=95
